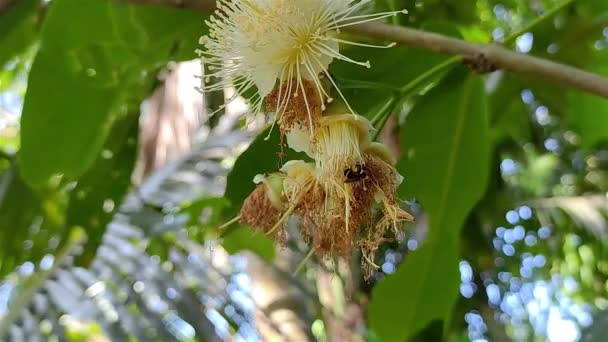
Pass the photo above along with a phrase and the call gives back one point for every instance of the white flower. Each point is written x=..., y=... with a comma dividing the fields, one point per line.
x=255, y=43
x=339, y=141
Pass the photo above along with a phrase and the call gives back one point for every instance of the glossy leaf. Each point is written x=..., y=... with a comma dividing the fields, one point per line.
x=18, y=28
x=86, y=73
x=589, y=116
x=101, y=189
x=445, y=143
x=424, y=288
x=30, y=221
x=509, y=116
x=242, y=238
x=19, y=206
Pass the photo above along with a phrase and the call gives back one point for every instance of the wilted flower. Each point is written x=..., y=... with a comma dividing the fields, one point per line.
x=348, y=215
x=304, y=193
x=336, y=215
x=255, y=43
x=382, y=181
x=293, y=190
x=321, y=214
x=302, y=110
x=264, y=207
x=379, y=166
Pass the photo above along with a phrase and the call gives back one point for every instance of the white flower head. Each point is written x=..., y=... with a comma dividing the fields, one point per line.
x=339, y=141
x=255, y=43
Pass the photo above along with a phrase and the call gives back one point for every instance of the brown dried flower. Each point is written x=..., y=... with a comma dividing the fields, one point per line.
x=263, y=208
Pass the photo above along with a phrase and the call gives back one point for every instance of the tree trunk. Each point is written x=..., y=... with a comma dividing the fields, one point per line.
x=286, y=311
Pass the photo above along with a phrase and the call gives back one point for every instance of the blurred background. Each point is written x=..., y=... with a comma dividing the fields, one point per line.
x=114, y=180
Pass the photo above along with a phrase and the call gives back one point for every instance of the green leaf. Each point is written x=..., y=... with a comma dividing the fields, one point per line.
x=445, y=141
x=19, y=207
x=193, y=210
x=509, y=116
x=242, y=238
x=89, y=72
x=446, y=146
x=588, y=115
x=368, y=90
x=102, y=188
x=424, y=288
x=262, y=156
x=30, y=221
x=18, y=28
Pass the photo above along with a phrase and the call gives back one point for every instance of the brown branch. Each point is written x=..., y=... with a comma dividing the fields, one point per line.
x=495, y=55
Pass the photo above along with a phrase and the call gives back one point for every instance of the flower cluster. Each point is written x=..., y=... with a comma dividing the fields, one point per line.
x=280, y=51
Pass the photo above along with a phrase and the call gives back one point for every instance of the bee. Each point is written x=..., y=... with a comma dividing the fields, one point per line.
x=355, y=174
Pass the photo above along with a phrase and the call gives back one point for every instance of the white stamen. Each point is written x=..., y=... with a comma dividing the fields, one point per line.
x=253, y=43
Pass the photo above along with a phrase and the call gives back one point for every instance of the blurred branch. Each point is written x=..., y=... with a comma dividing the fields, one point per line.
x=287, y=306
x=587, y=211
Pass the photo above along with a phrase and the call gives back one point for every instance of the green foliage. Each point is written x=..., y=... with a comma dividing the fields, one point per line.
x=589, y=116
x=385, y=80
x=19, y=206
x=32, y=221
x=104, y=184
x=368, y=91
x=242, y=238
x=102, y=58
x=508, y=114
x=448, y=129
x=80, y=115
x=95, y=61
x=18, y=28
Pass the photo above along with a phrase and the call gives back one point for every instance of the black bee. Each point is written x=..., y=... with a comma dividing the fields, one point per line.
x=355, y=173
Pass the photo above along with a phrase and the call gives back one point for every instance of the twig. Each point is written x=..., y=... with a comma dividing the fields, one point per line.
x=229, y=223
x=303, y=262
x=496, y=55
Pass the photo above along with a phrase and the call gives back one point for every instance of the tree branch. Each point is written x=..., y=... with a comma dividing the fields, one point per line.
x=490, y=54
x=496, y=55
